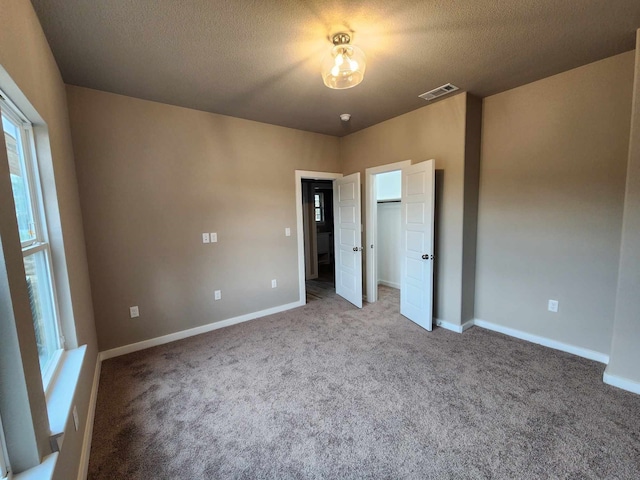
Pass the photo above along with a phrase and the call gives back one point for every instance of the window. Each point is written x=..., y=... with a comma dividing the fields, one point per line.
x=27, y=196
x=318, y=203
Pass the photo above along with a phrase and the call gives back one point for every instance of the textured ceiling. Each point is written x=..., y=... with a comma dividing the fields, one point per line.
x=260, y=60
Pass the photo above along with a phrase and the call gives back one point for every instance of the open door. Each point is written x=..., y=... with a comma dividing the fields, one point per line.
x=348, y=238
x=416, y=271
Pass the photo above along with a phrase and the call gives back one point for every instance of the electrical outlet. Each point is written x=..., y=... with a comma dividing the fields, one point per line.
x=76, y=421
x=214, y=237
x=287, y=232
x=274, y=283
x=553, y=306
x=134, y=312
x=217, y=295
x=205, y=238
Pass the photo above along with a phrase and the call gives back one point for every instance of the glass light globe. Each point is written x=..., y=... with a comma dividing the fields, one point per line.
x=343, y=67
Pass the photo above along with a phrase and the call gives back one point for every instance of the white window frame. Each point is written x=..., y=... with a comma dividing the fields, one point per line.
x=41, y=241
x=5, y=468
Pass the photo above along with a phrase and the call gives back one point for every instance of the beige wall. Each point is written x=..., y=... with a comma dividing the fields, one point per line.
x=625, y=354
x=152, y=178
x=436, y=131
x=29, y=65
x=552, y=178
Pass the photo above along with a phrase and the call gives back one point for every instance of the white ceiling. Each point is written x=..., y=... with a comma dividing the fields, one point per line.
x=260, y=60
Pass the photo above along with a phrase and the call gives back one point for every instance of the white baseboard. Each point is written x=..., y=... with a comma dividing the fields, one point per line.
x=621, y=382
x=389, y=284
x=448, y=325
x=172, y=337
x=88, y=429
x=467, y=325
x=547, y=342
x=452, y=326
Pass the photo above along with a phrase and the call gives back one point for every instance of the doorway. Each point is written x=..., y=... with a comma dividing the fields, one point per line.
x=317, y=213
x=400, y=240
x=388, y=203
x=304, y=223
x=383, y=184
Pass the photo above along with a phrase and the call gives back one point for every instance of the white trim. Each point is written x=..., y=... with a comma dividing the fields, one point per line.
x=389, y=167
x=372, y=222
x=88, y=429
x=33, y=248
x=5, y=469
x=40, y=472
x=172, y=337
x=299, y=175
x=448, y=325
x=452, y=326
x=51, y=369
x=467, y=325
x=547, y=342
x=621, y=382
x=389, y=284
x=61, y=395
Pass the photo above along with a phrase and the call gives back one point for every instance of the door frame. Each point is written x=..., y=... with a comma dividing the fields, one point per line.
x=299, y=176
x=372, y=224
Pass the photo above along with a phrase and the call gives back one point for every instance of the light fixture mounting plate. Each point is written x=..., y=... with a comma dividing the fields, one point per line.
x=341, y=39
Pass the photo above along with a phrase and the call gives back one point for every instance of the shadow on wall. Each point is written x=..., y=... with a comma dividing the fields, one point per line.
x=436, y=225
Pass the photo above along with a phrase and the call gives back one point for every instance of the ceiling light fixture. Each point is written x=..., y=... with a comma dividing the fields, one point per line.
x=344, y=66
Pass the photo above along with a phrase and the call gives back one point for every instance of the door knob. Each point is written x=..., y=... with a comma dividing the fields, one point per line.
x=426, y=257
x=355, y=249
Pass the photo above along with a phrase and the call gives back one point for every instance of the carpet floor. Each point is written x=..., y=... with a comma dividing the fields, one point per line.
x=330, y=391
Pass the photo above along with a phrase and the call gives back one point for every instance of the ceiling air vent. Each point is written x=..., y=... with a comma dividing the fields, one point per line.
x=438, y=92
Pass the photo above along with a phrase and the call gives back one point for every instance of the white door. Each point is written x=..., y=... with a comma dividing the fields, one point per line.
x=416, y=272
x=348, y=238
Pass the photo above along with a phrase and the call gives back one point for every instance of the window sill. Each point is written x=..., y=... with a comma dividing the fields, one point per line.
x=42, y=471
x=62, y=390
x=60, y=395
